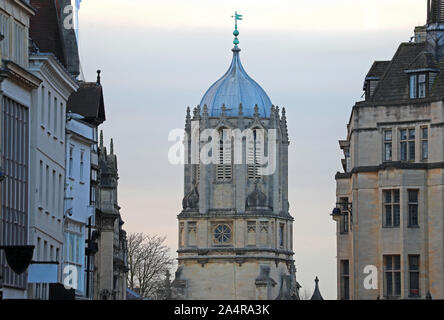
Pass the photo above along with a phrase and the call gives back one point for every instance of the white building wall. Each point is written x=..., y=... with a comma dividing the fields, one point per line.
x=47, y=166
x=80, y=138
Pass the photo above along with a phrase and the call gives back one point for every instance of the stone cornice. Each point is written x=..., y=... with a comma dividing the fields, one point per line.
x=233, y=215
x=203, y=260
x=391, y=165
x=14, y=71
x=54, y=72
x=237, y=251
x=26, y=7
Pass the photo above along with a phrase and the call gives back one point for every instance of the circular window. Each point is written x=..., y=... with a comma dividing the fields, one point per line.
x=222, y=234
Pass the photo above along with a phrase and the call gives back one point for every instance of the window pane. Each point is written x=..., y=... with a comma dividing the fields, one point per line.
x=396, y=262
x=411, y=150
x=388, y=196
x=413, y=86
x=388, y=263
x=425, y=133
x=388, y=152
x=414, y=284
x=403, y=151
x=414, y=263
x=396, y=196
x=413, y=215
x=396, y=215
x=389, y=283
x=413, y=196
x=425, y=150
x=404, y=134
x=412, y=134
x=397, y=283
x=388, y=215
x=388, y=135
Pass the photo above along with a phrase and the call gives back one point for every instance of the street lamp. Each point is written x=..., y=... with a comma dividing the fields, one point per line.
x=338, y=213
x=18, y=257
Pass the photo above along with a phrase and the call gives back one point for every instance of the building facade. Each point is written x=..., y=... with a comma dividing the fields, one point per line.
x=390, y=224
x=110, y=261
x=80, y=139
x=47, y=164
x=88, y=104
x=16, y=87
x=235, y=230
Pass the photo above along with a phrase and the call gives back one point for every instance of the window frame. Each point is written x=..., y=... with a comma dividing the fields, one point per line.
x=393, y=204
x=416, y=84
x=425, y=142
x=345, y=219
x=394, y=270
x=414, y=270
x=345, y=279
x=413, y=221
x=388, y=143
x=409, y=142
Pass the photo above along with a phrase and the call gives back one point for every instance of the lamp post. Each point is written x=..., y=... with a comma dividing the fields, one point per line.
x=337, y=213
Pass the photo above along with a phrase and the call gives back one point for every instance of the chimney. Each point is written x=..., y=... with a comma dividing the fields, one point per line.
x=420, y=34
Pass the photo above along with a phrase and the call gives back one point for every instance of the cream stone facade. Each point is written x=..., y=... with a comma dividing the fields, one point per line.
x=235, y=230
x=390, y=222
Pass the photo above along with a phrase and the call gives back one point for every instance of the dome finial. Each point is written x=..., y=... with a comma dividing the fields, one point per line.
x=236, y=17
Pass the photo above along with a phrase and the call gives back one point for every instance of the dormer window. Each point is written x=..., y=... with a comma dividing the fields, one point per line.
x=418, y=86
x=421, y=82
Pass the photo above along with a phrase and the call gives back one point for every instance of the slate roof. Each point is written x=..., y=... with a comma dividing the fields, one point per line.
x=88, y=101
x=394, y=84
x=393, y=87
x=44, y=29
x=378, y=68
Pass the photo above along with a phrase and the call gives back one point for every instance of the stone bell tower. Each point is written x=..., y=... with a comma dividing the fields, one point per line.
x=435, y=28
x=235, y=230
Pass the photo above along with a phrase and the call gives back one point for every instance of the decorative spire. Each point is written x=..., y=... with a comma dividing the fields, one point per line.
x=101, y=139
x=317, y=293
x=241, y=111
x=111, y=146
x=256, y=111
x=284, y=125
x=198, y=112
x=284, y=116
x=98, y=77
x=224, y=110
x=236, y=17
x=188, y=119
x=205, y=111
x=272, y=116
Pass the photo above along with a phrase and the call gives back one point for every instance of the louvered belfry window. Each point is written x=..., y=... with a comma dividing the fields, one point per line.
x=436, y=11
x=196, y=166
x=224, y=154
x=254, y=156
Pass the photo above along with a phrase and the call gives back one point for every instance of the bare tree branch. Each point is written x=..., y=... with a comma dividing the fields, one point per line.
x=148, y=261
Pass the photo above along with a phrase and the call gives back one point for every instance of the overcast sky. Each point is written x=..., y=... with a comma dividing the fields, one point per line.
x=311, y=57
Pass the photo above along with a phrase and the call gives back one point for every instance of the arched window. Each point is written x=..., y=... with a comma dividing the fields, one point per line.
x=224, y=154
x=255, y=151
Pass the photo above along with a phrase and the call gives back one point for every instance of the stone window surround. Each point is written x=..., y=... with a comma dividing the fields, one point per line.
x=403, y=196
x=213, y=226
x=396, y=146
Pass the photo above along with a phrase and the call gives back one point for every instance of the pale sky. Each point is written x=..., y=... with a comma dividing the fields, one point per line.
x=311, y=57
